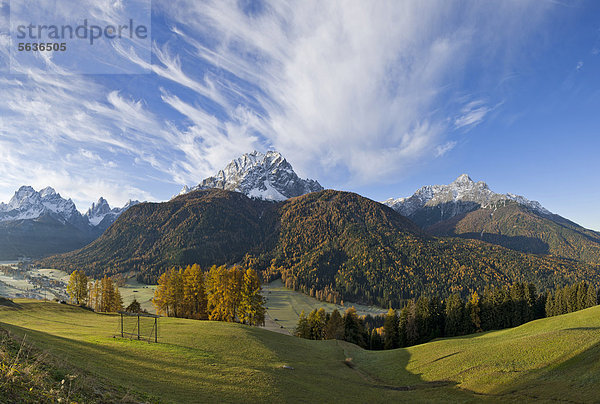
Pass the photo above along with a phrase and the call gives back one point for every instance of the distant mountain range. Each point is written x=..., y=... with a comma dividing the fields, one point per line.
x=257, y=209
x=36, y=224
x=328, y=243
x=471, y=210
x=264, y=176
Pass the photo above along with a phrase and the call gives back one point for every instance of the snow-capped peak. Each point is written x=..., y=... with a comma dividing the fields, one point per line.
x=461, y=196
x=29, y=204
x=101, y=211
x=266, y=176
x=463, y=179
x=48, y=191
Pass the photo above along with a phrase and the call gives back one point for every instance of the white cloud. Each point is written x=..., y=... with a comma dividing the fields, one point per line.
x=349, y=91
x=444, y=148
x=472, y=114
x=346, y=88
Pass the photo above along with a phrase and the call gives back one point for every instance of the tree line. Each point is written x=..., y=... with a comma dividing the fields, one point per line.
x=101, y=295
x=571, y=298
x=425, y=318
x=222, y=294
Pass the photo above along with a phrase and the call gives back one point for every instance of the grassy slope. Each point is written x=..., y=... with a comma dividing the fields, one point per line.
x=285, y=305
x=553, y=358
x=209, y=361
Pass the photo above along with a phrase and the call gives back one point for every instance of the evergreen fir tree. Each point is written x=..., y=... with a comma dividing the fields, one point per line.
x=390, y=330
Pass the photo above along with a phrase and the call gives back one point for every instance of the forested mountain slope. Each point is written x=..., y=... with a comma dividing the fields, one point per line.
x=339, y=244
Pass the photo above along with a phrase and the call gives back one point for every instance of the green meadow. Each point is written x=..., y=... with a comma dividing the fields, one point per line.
x=285, y=305
x=200, y=361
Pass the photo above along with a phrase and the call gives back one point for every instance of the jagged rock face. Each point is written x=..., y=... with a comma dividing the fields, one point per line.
x=265, y=176
x=435, y=203
x=101, y=215
x=29, y=204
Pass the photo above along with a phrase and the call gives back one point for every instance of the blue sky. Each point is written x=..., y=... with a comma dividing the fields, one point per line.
x=379, y=98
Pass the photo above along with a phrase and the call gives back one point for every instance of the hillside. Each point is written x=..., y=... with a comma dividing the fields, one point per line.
x=471, y=210
x=339, y=244
x=195, y=361
x=204, y=227
x=516, y=227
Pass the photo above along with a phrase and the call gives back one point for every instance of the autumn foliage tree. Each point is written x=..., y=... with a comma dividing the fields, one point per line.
x=77, y=288
x=104, y=295
x=223, y=294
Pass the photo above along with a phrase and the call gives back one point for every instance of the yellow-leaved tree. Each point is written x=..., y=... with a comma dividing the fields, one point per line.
x=77, y=287
x=251, y=309
x=194, y=294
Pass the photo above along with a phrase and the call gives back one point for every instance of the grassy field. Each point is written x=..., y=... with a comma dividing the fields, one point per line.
x=556, y=358
x=141, y=292
x=285, y=305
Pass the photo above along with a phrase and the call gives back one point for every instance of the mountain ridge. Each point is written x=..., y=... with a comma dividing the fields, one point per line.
x=460, y=195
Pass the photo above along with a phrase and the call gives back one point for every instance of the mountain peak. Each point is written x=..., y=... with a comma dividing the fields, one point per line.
x=461, y=196
x=48, y=191
x=27, y=203
x=463, y=179
x=101, y=212
x=265, y=176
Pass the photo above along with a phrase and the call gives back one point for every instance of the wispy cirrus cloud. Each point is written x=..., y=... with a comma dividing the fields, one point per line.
x=349, y=92
x=472, y=114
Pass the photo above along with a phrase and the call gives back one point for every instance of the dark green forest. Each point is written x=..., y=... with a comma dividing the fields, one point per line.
x=426, y=318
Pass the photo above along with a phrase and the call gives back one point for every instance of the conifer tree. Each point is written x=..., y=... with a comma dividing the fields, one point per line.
x=160, y=299
x=303, y=327
x=412, y=326
x=473, y=311
x=390, y=330
x=117, y=302
x=168, y=296
x=550, y=309
x=223, y=287
x=353, y=329
x=134, y=307
x=194, y=295
x=317, y=321
x=375, y=341
x=251, y=306
x=335, y=326
x=581, y=296
x=454, y=318
x=591, y=297
x=106, y=294
x=402, y=324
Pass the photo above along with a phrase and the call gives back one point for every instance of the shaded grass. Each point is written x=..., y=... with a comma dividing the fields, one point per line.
x=557, y=358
